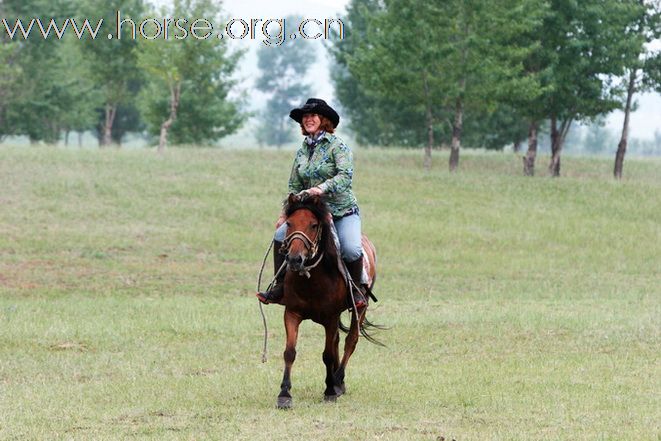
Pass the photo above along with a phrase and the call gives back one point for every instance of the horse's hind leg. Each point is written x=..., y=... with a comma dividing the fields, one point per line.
x=349, y=346
x=331, y=359
x=292, y=321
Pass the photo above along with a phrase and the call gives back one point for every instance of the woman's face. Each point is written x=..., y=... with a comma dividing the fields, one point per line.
x=311, y=123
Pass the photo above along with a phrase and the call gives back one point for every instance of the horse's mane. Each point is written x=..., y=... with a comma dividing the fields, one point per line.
x=319, y=208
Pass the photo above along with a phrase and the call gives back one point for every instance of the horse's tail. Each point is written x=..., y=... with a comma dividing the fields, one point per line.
x=365, y=329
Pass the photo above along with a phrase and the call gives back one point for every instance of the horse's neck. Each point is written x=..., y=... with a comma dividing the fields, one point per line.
x=331, y=250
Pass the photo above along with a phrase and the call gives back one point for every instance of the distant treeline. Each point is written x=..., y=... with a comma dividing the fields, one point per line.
x=68, y=82
x=480, y=73
x=490, y=73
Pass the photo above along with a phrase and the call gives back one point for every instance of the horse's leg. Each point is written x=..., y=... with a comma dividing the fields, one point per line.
x=331, y=357
x=349, y=346
x=292, y=321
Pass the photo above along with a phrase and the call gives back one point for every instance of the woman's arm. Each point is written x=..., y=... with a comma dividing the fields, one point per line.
x=295, y=181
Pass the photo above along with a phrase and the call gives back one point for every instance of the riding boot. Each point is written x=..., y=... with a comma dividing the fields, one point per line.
x=275, y=294
x=356, y=272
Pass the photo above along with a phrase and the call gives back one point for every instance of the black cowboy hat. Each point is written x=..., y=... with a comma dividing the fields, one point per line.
x=318, y=106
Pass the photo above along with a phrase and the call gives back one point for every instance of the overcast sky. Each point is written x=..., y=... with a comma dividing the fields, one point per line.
x=311, y=9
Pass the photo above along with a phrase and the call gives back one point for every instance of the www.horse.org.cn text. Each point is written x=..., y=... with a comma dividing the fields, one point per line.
x=270, y=31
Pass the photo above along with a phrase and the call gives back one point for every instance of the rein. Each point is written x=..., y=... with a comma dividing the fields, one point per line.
x=313, y=249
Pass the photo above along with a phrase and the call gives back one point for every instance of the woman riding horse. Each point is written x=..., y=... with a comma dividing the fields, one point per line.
x=323, y=166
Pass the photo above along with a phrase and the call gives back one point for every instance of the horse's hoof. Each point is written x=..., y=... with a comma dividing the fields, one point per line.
x=330, y=398
x=284, y=403
x=340, y=390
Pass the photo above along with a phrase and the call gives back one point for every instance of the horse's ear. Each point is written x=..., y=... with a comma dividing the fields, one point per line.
x=293, y=199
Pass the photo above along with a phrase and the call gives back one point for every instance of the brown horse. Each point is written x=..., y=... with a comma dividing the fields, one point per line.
x=316, y=289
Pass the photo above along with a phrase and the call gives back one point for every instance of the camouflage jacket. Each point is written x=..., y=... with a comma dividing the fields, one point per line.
x=329, y=166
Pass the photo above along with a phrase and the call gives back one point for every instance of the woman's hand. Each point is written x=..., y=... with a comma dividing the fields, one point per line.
x=314, y=191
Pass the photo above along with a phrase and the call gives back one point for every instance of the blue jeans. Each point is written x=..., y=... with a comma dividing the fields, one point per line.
x=349, y=232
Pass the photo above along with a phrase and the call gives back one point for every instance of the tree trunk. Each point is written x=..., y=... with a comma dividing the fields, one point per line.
x=66, y=138
x=622, y=146
x=529, y=159
x=430, y=139
x=456, y=134
x=430, y=126
x=458, y=123
x=80, y=139
x=175, y=94
x=516, y=148
x=558, y=136
x=554, y=165
x=111, y=111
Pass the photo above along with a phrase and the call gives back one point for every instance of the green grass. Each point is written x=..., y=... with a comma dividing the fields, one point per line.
x=521, y=308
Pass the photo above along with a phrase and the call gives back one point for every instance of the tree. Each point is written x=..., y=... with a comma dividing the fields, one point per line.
x=80, y=96
x=188, y=82
x=282, y=69
x=9, y=72
x=374, y=118
x=584, y=42
x=446, y=58
x=127, y=117
x=401, y=60
x=36, y=102
x=114, y=60
x=495, y=129
x=641, y=71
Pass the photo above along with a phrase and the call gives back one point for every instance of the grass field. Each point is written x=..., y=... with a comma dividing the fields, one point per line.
x=520, y=308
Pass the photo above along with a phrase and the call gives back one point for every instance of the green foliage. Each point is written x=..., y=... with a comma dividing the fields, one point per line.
x=9, y=72
x=374, y=118
x=128, y=119
x=115, y=73
x=52, y=92
x=282, y=79
x=82, y=96
x=202, y=69
x=653, y=70
x=411, y=57
x=64, y=80
x=646, y=30
x=585, y=45
x=494, y=130
x=114, y=60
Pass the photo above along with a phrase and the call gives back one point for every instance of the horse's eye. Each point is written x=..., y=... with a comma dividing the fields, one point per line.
x=315, y=225
x=288, y=224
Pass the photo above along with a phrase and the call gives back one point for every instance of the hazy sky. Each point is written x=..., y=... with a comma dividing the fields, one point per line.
x=312, y=9
x=644, y=121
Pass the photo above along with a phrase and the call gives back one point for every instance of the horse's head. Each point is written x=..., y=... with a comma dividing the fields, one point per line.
x=307, y=219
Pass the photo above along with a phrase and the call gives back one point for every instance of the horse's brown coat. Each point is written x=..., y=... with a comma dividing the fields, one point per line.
x=322, y=297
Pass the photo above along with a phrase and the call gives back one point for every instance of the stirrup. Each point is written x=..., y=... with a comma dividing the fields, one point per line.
x=359, y=298
x=272, y=296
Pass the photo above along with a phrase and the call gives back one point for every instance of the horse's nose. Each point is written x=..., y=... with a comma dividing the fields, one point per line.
x=295, y=262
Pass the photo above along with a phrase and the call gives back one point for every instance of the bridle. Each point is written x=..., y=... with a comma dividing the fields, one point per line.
x=312, y=247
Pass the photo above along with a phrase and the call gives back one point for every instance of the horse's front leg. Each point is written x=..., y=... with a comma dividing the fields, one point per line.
x=292, y=321
x=350, y=344
x=331, y=359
